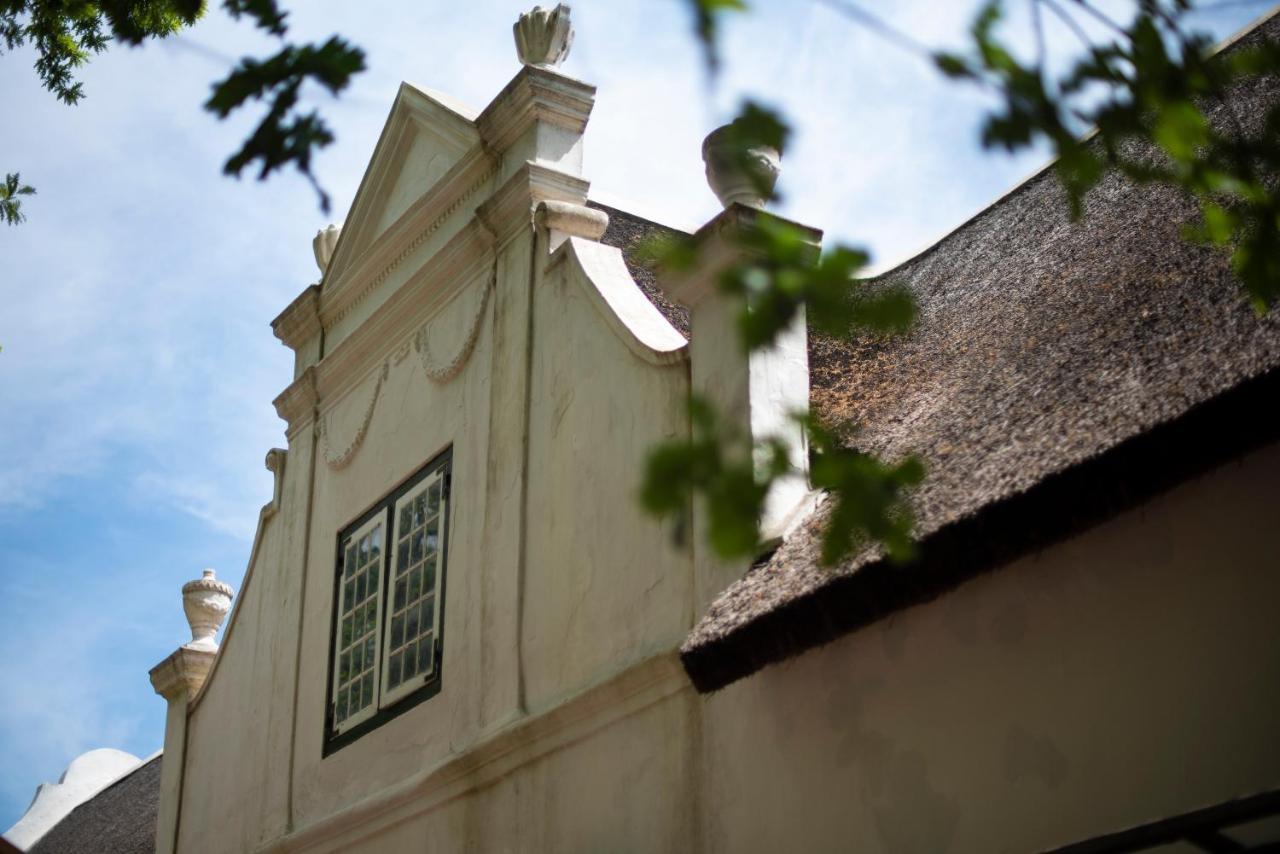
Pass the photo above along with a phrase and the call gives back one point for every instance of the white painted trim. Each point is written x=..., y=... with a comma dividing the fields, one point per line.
x=603, y=275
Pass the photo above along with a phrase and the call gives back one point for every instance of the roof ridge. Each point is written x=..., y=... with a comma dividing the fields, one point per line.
x=1224, y=45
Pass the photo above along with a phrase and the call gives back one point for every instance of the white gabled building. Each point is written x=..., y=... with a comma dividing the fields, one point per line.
x=459, y=632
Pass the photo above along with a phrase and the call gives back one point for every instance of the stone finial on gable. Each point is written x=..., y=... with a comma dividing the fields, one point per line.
x=740, y=172
x=206, y=602
x=543, y=37
x=323, y=243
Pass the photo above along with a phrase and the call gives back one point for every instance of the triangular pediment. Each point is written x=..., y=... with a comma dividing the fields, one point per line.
x=426, y=134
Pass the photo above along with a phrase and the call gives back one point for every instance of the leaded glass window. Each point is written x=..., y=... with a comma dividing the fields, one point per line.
x=359, y=612
x=388, y=604
x=412, y=623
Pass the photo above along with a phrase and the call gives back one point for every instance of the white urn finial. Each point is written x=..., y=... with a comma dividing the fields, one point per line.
x=738, y=170
x=322, y=244
x=206, y=602
x=544, y=37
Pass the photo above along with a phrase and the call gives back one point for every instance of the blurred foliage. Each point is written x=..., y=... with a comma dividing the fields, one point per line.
x=706, y=25
x=869, y=497
x=1150, y=87
x=66, y=33
x=11, y=193
x=777, y=273
x=719, y=463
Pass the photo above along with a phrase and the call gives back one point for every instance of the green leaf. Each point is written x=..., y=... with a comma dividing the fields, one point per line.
x=1181, y=129
x=11, y=193
x=707, y=15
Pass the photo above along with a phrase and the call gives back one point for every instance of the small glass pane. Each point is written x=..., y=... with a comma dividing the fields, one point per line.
x=425, y=648
x=360, y=583
x=375, y=544
x=418, y=547
x=373, y=581
x=433, y=498
x=402, y=556
x=357, y=658
x=433, y=534
x=429, y=577
x=410, y=666
x=400, y=593
x=411, y=622
x=344, y=667
x=394, y=676
x=368, y=650
x=367, y=694
x=419, y=508
x=350, y=565
x=364, y=549
x=397, y=631
x=406, y=520
x=341, y=707
x=346, y=631
x=428, y=613
x=415, y=584
x=348, y=596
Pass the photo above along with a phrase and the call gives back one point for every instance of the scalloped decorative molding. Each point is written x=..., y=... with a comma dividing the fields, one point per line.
x=435, y=371
x=341, y=460
x=438, y=373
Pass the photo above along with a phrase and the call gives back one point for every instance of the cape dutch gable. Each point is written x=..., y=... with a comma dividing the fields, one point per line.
x=1082, y=659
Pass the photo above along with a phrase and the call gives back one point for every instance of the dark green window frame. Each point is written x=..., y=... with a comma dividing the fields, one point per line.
x=386, y=641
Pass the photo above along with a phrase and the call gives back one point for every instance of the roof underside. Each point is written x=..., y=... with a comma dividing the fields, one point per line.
x=120, y=819
x=1049, y=358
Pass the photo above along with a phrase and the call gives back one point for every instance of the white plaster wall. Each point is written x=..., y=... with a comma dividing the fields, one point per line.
x=239, y=732
x=1127, y=675
x=605, y=586
x=1121, y=677
x=413, y=420
x=623, y=788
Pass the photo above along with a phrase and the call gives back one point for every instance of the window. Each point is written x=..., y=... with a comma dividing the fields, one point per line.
x=388, y=604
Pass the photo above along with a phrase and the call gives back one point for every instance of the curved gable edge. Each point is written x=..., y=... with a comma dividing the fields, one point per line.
x=275, y=462
x=602, y=273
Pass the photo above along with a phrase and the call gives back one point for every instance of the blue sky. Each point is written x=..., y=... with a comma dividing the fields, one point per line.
x=138, y=367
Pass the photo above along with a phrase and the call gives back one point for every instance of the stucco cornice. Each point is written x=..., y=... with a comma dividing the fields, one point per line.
x=511, y=209
x=296, y=405
x=718, y=249
x=459, y=264
x=181, y=673
x=406, y=235
x=300, y=319
x=535, y=95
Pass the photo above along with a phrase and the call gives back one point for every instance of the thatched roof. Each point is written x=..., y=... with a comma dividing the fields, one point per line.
x=1060, y=372
x=121, y=819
